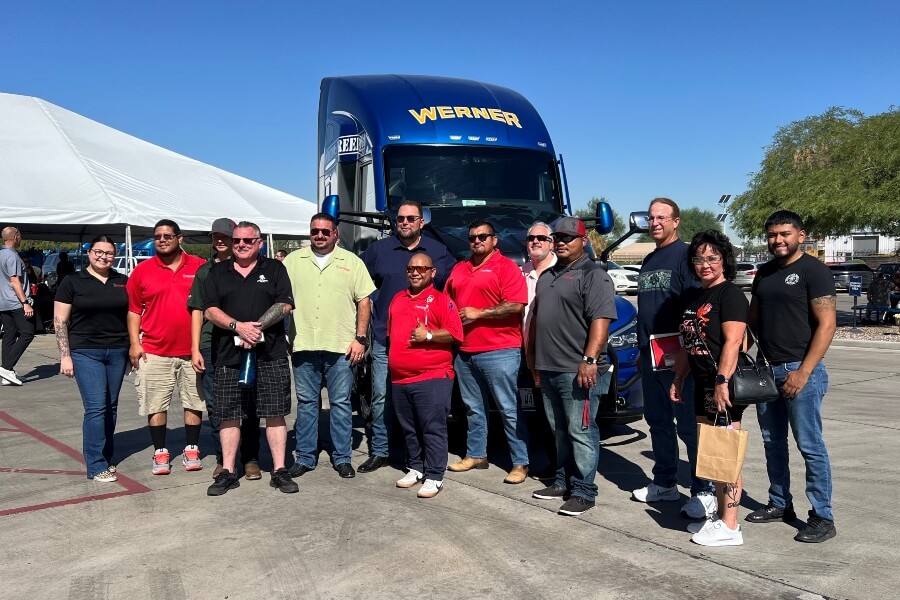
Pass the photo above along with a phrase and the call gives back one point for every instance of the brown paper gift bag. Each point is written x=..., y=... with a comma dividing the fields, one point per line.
x=720, y=453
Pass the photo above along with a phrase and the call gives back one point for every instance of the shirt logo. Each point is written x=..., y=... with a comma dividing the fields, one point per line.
x=792, y=279
x=262, y=279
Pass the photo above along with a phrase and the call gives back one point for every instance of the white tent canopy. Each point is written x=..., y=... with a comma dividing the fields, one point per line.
x=67, y=178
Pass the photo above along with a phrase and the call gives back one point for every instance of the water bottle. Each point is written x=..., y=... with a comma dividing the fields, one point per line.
x=247, y=370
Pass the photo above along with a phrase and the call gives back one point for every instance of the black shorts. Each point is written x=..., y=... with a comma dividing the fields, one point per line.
x=272, y=394
x=704, y=403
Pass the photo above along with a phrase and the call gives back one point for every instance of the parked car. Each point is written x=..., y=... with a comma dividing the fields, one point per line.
x=624, y=280
x=843, y=271
x=52, y=260
x=887, y=270
x=119, y=263
x=745, y=274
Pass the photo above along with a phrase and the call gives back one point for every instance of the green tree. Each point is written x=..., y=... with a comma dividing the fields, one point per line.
x=840, y=171
x=693, y=220
x=598, y=241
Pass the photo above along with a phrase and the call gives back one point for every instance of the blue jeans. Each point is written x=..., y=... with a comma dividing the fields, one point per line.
x=310, y=368
x=382, y=409
x=99, y=373
x=804, y=414
x=666, y=419
x=485, y=374
x=577, y=447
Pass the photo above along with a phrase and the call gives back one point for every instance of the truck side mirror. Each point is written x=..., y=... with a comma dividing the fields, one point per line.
x=640, y=222
x=426, y=215
x=331, y=205
x=605, y=218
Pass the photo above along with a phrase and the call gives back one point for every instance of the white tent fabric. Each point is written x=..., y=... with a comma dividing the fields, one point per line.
x=65, y=177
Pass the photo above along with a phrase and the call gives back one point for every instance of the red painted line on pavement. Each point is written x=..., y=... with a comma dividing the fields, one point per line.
x=131, y=486
x=40, y=471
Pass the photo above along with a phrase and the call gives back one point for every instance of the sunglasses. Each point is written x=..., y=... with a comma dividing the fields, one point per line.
x=325, y=232
x=710, y=260
x=481, y=237
x=407, y=219
x=564, y=238
x=247, y=241
x=540, y=238
x=164, y=236
x=418, y=269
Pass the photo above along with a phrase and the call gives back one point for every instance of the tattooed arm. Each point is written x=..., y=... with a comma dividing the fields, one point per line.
x=61, y=314
x=824, y=313
x=504, y=309
x=274, y=314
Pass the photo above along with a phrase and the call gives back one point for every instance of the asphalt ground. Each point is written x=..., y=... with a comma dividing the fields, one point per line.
x=160, y=537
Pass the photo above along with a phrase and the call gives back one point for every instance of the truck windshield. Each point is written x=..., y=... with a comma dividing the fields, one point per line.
x=472, y=176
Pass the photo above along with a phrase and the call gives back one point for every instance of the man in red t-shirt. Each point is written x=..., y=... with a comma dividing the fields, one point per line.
x=491, y=293
x=422, y=325
x=159, y=328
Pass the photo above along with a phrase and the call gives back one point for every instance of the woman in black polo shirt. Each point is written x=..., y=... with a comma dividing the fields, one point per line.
x=90, y=319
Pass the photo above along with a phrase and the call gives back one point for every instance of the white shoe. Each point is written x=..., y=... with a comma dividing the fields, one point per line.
x=411, y=478
x=430, y=489
x=106, y=476
x=656, y=493
x=700, y=506
x=10, y=376
x=5, y=382
x=698, y=525
x=717, y=533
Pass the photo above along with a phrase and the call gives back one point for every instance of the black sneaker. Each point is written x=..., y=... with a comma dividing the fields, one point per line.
x=553, y=492
x=281, y=480
x=817, y=530
x=772, y=513
x=575, y=505
x=297, y=470
x=225, y=480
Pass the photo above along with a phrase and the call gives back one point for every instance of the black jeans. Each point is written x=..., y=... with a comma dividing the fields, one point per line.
x=17, y=335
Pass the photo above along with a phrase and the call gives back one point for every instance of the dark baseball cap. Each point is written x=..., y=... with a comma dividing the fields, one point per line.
x=224, y=226
x=570, y=226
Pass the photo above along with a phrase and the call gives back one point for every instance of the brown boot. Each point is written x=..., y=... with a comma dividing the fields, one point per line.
x=251, y=471
x=517, y=474
x=467, y=464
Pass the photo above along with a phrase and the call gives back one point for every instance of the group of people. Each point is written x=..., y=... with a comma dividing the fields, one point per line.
x=215, y=329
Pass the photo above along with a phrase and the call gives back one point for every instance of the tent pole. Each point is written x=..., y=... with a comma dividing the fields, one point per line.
x=128, y=250
x=270, y=246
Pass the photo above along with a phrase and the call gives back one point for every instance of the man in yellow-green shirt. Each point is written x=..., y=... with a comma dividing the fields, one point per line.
x=331, y=288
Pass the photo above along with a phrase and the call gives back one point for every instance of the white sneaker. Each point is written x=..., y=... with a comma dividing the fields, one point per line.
x=700, y=506
x=656, y=493
x=698, y=525
x=430, y=489
x=10, y=376
x=411, y=478
x=5, y=382
x=717, y=533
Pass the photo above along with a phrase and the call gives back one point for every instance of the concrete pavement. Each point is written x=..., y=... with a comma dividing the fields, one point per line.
x=162, y=537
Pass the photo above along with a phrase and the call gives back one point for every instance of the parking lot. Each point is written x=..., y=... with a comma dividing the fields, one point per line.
x=162, y=537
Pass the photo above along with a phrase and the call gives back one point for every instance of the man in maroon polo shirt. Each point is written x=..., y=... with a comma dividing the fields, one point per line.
x=490, y=292
x=422, y=325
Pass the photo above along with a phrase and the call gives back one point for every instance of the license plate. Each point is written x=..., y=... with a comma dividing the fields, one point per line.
x=527, y=397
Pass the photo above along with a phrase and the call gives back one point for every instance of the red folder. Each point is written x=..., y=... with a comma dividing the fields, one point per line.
x=663, y=348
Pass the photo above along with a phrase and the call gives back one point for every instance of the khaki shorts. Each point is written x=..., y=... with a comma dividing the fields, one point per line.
x=156, y=381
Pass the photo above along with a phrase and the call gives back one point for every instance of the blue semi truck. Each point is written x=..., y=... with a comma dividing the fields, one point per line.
x=466, y=150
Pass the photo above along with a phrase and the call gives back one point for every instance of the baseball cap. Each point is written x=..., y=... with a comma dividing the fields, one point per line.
x=571, y=226
x=224, y=226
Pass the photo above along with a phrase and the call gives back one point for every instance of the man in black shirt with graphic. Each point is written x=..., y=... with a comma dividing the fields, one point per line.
x=246, y=299
x=793, y=312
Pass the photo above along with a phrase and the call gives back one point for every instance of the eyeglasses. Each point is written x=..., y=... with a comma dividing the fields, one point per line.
x=481, y=237
x=325, y=232
x=247, y=241
x=710, y=260
x=102, y=254
x=407, y=218
x=164, y=236
x=564, y=238
x=417, y=269
x=540, y=238
x=660, y=219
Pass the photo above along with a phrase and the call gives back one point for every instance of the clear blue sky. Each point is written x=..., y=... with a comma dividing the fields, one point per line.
x=641, y=98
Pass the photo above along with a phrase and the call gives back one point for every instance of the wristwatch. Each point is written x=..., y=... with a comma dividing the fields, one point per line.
x=363, y=340
x=720, y=379
x=428, y=336
x=589, y=360
x=232, y=326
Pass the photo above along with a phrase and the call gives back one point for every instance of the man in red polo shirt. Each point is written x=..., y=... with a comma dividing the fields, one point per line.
x=491, y=293
x=422, y=325
x=159, y=328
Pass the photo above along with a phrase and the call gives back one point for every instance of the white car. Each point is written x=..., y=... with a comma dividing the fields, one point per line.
x=624, y=280
x=119, y=263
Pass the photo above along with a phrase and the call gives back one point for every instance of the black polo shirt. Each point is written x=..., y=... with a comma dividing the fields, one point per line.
x=99, y=310
x=246, y=299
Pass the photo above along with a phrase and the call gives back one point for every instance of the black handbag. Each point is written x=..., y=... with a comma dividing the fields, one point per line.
x=753, y=381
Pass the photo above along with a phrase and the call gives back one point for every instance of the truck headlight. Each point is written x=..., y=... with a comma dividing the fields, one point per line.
x=625, y=337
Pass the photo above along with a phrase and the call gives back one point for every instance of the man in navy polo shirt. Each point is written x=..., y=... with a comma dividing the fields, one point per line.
x=246, y=298
x=386, y=261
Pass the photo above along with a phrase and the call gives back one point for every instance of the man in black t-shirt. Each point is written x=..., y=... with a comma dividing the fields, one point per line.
x=793, y=312
x=246, y=298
